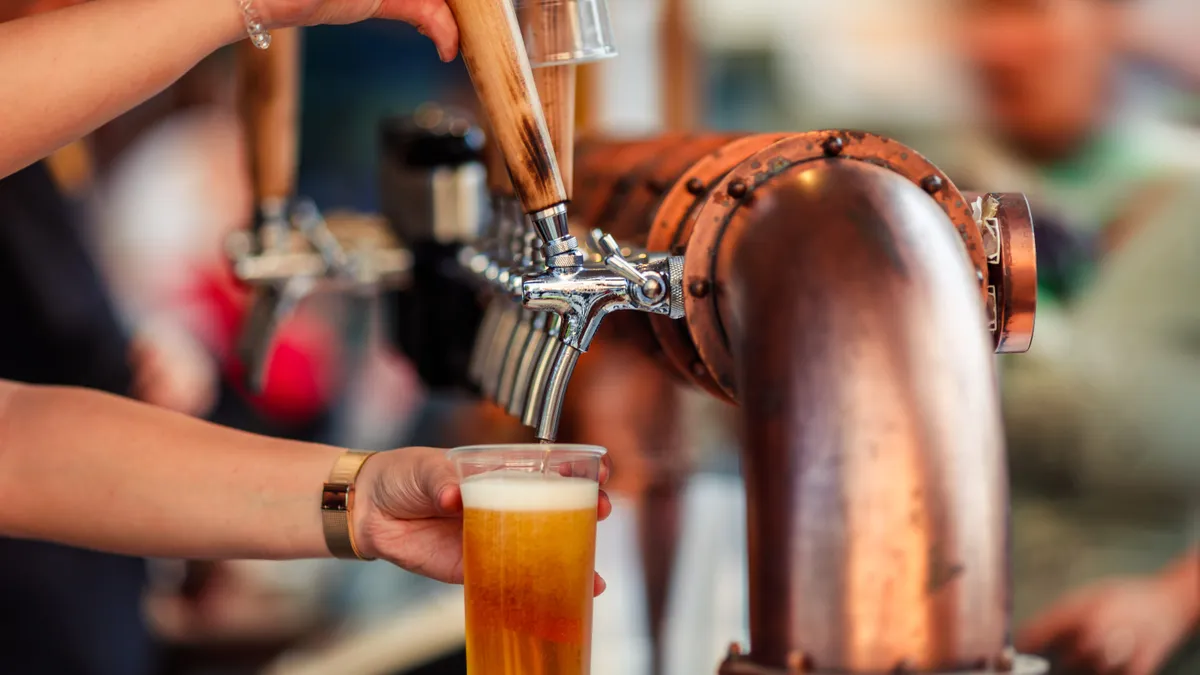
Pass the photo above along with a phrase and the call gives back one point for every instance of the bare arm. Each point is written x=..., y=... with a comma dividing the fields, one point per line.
x=98, y=471
x=93, y=470
x=67, y=72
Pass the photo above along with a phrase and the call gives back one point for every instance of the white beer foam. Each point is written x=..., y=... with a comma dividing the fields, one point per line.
x=525, y=491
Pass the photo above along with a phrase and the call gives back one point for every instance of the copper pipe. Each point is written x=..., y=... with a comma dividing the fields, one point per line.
x=873, y=455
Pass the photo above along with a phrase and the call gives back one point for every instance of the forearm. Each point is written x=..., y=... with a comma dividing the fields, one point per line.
x=65, y=73
x=97, y=471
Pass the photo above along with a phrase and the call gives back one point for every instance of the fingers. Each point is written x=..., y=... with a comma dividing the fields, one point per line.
x=1060, y=622
x=605, y=468
x=599, y=585
x=449, y=500
x=432, y=18
x=604, y=507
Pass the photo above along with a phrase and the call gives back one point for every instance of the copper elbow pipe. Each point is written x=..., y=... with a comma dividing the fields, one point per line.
x=872, y=453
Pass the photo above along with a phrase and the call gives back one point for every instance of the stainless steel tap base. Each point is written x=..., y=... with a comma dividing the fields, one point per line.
x=551, y=223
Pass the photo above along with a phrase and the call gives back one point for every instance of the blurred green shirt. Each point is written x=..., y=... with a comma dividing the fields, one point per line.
x=1103, y=414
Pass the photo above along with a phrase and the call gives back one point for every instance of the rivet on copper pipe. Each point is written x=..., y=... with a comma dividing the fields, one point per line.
x=699, y=288
x=833, y=146
x=737, y=189
x=695, y=186
x=931, y=184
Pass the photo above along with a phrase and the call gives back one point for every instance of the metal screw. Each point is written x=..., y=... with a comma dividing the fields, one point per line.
x=833, y=146
x=737, y=189
x=695, y=186
x=699, y=288
x=931, y=184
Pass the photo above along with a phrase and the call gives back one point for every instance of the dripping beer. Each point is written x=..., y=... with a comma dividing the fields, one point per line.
x=529, y=549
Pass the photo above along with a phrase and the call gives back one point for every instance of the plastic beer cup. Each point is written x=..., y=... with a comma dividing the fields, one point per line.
x=529, y=555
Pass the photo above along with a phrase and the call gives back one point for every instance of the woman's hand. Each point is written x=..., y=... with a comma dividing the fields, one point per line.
x=431, y=17
x=408, y=510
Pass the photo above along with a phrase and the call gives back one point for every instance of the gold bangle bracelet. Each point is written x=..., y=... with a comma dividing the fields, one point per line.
x=337, y=504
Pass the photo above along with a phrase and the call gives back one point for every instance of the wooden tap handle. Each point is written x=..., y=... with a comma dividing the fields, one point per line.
x=492, y=47
x=269, y=96
x=556, y=87
x=498, y=181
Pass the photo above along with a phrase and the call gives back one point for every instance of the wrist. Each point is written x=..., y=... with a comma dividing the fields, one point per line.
x=221, y=20
x=342, y=503
x=365, y=509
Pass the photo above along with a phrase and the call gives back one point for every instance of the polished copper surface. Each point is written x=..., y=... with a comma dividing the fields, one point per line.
x=641, y=188
x=828, y=292
x=672, y=229
x=873, y=459
x=705, y=286
x=608, y=172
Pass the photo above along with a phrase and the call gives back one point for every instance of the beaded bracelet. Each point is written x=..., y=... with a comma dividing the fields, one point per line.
x=259, y=36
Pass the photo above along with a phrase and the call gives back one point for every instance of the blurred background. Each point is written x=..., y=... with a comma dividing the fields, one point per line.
x=1090, y=107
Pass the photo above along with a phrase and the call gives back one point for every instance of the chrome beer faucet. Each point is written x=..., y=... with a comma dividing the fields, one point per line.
x=296, y=253
x=580, y=294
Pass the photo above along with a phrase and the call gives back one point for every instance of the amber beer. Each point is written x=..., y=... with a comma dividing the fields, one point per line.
x=529, y=551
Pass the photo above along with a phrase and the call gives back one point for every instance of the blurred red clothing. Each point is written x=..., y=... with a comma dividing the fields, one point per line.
x=302, y=373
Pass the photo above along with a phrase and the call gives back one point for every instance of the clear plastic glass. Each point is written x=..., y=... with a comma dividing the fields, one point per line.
x=562, y=32
x=529, y=556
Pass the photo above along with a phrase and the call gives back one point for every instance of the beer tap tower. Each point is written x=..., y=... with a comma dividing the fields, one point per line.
x=290, y=250
x=835, y=285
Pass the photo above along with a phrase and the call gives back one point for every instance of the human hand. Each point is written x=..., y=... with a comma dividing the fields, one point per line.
x=408, y=510
x=1122, y=627
x=431, y=17
x=171, y=370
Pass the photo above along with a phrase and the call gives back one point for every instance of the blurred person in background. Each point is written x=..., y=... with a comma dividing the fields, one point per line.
x=1103, y=414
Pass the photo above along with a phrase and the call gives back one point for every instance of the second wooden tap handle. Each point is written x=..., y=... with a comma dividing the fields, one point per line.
x=491, y=45
x=269, y=87
x=548, y=22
